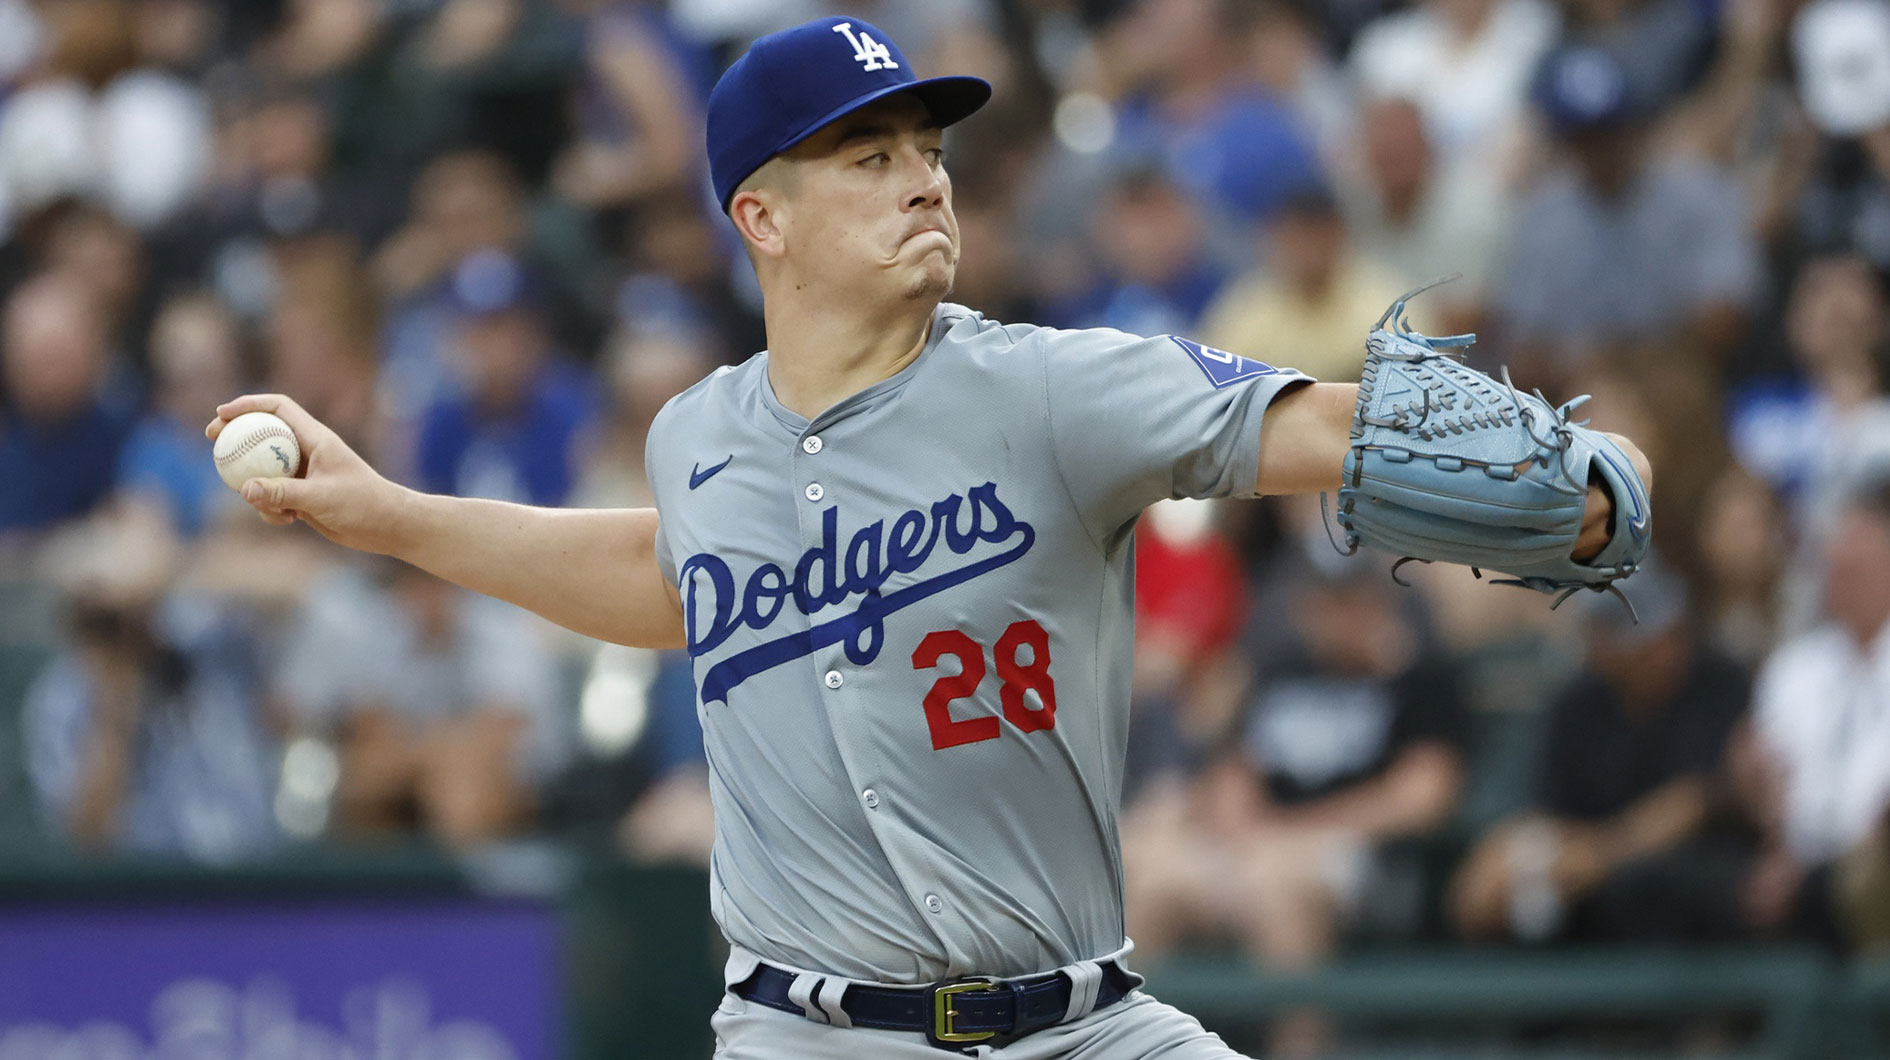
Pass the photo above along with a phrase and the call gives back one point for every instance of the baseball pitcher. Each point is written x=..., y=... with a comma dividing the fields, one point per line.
x=897, y=545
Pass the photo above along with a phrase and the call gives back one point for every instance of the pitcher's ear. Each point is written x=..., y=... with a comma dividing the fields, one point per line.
x=757, y=214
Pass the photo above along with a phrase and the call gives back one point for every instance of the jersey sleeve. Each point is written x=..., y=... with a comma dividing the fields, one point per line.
x=1134, y=420
x=665, y=559
x=653, y=455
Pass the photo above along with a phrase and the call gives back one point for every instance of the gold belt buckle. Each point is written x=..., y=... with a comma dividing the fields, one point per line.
x=944, y=1016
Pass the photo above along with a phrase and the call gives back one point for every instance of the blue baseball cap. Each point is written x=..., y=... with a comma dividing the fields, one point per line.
x=1584, y=87
x=790, y=84
x=488, y=282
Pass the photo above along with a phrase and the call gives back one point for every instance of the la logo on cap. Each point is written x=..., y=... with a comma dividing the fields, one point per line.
x=793, y=82
x=872, y=55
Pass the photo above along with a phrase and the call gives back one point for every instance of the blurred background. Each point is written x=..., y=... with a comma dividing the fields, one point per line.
x=262, y=798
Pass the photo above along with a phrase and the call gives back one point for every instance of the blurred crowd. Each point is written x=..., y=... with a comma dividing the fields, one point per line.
x=475, y=237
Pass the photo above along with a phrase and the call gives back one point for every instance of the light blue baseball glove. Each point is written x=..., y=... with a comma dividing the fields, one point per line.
x=1449, y=464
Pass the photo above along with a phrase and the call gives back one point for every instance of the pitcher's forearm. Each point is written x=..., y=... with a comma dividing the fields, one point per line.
x=593, y=571
x=589, y=570
x=1304, y=437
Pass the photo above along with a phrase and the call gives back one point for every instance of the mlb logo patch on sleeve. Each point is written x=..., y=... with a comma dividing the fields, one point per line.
x=1223, y=368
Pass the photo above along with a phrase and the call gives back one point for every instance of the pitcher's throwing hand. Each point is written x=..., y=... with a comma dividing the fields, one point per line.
x=338, y=493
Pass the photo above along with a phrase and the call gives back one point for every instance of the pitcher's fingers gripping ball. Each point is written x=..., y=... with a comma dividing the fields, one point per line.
x=1449, y=464
x=256, y=445
x=292, y=466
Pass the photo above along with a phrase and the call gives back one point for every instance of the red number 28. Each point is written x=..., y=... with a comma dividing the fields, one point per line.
x=1018, y=678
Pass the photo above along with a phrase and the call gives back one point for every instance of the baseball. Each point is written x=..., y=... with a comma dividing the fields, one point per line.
x=256, y=445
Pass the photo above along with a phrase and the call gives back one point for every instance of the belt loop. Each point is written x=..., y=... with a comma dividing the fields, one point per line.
x=740, y=967
x=802, y=991
x=1085, y=982
x=829, y=995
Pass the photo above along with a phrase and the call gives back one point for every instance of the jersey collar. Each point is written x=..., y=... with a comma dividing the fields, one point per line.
x=863, y=399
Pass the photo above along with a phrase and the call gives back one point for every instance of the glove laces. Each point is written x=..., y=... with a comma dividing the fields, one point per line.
x=1553, y=435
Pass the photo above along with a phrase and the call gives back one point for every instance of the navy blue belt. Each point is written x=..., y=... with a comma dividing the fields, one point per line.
x=951, y=1013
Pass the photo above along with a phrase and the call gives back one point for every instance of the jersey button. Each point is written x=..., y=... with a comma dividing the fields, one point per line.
x=814, y=492
x=810, y=444
x=935, y=903
x=870, y=798
x=834, y=680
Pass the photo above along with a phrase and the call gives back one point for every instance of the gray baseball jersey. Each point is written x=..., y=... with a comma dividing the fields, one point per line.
x=911, y=621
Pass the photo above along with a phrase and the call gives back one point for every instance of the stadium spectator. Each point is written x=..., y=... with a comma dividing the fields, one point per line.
x=991, y=275
x=1744, y=542
x=638, y=108
x=1192, y=106
x=1466, y=65
x=442, y=706
x=672, y=819
x=1735, y=114
x=21, y=34
x=1839, y=202
x=180, y=36
x=1620, y=252
x=145, y=734
x=1804, y=435
x=1292, y=56
x=1861, y=900
x=103, y=255
x=1155, y=272
x=512, y=431
x=1190, y=599
x=1417, y=220
x=312, y=41
x=1618, y=845
x=485, y=72
x=1662, y=45
x=463, y=203
x=95, y=123
x=277, y=179
x=1304, y=306
x=60, y=426
x=1348, y=742
x=1813, y=767
x=1815, y=438
x=678, y=278
x=195, y=360
x=646, y=365
x=318, y=338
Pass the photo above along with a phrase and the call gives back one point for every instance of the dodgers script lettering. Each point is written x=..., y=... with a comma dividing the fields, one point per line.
x=828, y=575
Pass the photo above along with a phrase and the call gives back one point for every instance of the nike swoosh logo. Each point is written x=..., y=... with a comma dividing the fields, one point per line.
x=1637, y=519
x=697, y=476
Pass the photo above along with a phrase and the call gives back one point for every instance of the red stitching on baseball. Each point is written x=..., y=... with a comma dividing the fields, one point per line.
x=259, y=438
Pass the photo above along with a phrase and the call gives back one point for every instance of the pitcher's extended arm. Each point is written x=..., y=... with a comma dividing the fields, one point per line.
x=590, y=570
